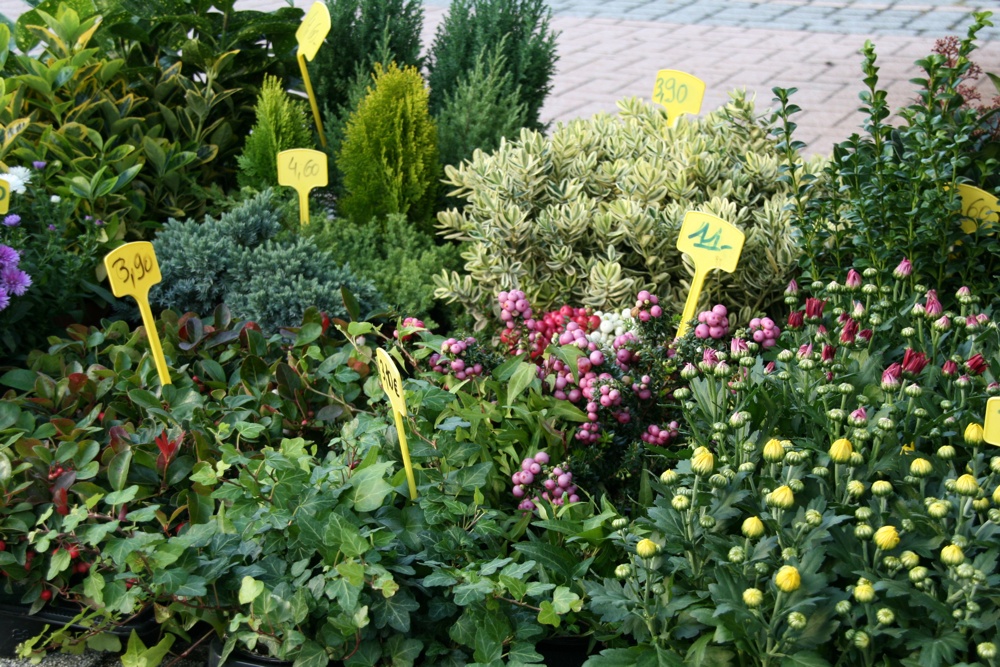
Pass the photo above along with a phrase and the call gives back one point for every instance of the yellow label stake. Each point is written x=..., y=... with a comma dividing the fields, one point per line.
x=4, y=195
x=132, y=270
x=310, y=36
x=392, y=384
x=712, y=243
x=978, y=208
x=991, y=424
x=302, y=169
x=678, y=92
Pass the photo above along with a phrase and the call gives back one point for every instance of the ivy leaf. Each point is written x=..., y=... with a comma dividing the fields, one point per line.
x=369, y=488
x=250, y=588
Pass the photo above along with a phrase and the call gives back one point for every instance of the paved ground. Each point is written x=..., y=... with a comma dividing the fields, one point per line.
x=610, y=49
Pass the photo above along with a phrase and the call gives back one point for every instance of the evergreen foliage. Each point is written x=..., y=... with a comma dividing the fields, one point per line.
x=389, y=158
x=519, y=28
x=282, y=123
x=483, y=109
x=400, y=259
x=237, y=260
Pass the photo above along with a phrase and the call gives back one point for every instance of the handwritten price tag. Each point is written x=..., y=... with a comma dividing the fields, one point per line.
x=991, y=424
x=313, y=30
x=132, y=270
x=4, y=195
x=392, y=384
x=978, y=206
x=712, y=243
x=678, y=92
x=302, y=169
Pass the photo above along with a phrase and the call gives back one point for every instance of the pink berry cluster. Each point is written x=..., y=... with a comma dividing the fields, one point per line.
x=523, y=333
x=452, y=359
x=764, y=331
x=537, y=481
x=409, y=322
x=661, y=436
x=647, y=307
x=713, y=323
x=625, y=348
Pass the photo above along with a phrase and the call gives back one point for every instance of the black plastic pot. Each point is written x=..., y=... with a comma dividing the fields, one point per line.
x=240, y=658
x=18, y=626
x=564, y=651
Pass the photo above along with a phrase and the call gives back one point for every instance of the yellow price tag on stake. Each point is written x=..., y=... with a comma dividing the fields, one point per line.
x=392, y=384
x=302, y=169
x=978, y=206
x=132, y=270
x=678, y=92
x=991, y=424
x=310, y=36
x=4, y=195
x=712, y=243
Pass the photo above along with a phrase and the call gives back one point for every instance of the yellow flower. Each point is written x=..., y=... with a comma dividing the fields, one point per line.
x=782, y=498
x=647, y=548
x=787, y=579
x=668, y=477
x=952, y=555
x=864, y=592
x=841, y=450
x=702, y=461
x=909, y=559
x=966, y=485
x=774, y=451
x=996, y=495
x=753, y=527
x=886, y=538
x=881, y=488
x=752, y=597
x=921, y=468
x=855, y=488
x=973, y=434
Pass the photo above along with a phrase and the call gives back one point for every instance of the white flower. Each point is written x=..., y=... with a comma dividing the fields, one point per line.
x=55, y=199
x=18, y=178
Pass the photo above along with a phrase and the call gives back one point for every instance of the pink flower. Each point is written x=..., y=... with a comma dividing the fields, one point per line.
x=971, y=322
x=949, y=368
x=769, y=368
x=849, y=332
x=792, y=289
x=738, y=347
x=963, y=292
x=853, y=279
x=814, y=308
x=933, y=307
x=709, y=357
x=795, y=319
x=914, y=362
x=941, y=324
x=891, y=377
x=829, y=351
x=976, y=364
x=805, y=351
x=866, y=335
x=904, y=269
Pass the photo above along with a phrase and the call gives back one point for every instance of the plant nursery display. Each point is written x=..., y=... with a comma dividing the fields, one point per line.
x=804, y=474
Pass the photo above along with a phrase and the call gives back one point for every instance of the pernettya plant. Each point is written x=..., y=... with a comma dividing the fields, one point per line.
x=591, y=214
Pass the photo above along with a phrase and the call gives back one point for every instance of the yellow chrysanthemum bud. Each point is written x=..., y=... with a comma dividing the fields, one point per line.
x=841, y=450
x=782, y=498
x=996, y=495
x=752, y=527
x=921, y=468
x=886, y=538
x=946, y=452
x=986, y=650
x=787, y=579
x=881, y=488
x=885, y=616
x=973, y=434
x=668, y=477
x=774, y=451
x=938, y=509
x=647, y=548
x=864, y=592
x=855, y=488
x=966, y=485
x=623, y=571
x=702, y=461
x=752, y=597
x=909, y=559
x=952, y=555
x=680, y=503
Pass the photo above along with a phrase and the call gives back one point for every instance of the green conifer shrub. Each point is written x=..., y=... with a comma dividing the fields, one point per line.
x=389, y=158
x=519, y=28
x=237, y=260
x=400, y=259
x=282, y=123
x=483, y=109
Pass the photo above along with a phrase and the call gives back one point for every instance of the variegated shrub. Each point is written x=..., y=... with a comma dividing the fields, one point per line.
x=591, y=214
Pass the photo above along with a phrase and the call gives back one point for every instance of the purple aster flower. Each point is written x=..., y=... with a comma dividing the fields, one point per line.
x=4, y=299
x=39, y=164
x=8, y=257
x=12, y=220
x=52, y=228
x=15, y=281
x=99, y=223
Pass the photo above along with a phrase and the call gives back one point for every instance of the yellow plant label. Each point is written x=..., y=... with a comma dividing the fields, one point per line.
x=991, y=424
x=978, y=207
x=132, y=269
x=712, y=243
x=313, y=30
x=678, y=92
x=392, y=384
x=4, y=195
x=302, y=169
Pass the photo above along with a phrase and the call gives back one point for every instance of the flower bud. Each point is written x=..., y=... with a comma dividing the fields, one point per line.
x=973, y=434
x=856, y=459
x=918, y=573
x=681, y=393
x=855, y=488
x=782, y=498
x=706, y=521
x=668, y=477
x=921, y=467
x=647, y=548
x=946, y=452
x=623, y=571
x=843, y=607
x=820, y=472
x=861, y=639
x=938, y=509
x=885, y=616
x=680, y=503
x=813, y=518
x=774, y=451
x=752, y=597
x=913, y=390
x=863, y=513
x=952, y=555
x=965, y=571
x=752, y=527
x=787, y=579
x=966, y=485
x=619, y=523
x=737, y=555
x=886, y=538
x=841, y=450
x=881, y=488
x=718, y=481
x=702, y=461
x=863, y=531
x=986, y=650
x=797, y=620
x=864, y=593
